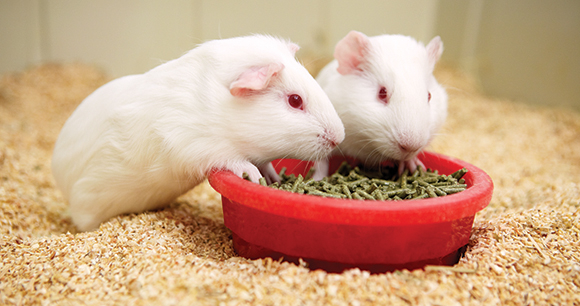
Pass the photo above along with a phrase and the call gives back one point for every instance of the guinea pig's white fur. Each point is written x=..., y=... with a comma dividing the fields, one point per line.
x=377, y=131
x=140, y=141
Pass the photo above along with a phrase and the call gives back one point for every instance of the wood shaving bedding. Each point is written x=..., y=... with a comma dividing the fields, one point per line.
x=524, y=249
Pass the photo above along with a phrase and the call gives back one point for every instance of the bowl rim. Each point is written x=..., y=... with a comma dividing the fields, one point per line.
x=370, y=213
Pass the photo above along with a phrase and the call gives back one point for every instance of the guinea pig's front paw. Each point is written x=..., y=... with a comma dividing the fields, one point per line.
x=410, y=165
x=248, y=168
x=269, y=173
x=321, y=169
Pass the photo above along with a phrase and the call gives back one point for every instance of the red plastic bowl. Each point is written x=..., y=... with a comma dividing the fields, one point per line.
x=336, y=234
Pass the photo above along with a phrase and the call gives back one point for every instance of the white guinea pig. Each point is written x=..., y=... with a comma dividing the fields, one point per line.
x=140, y=141
x=384, y=91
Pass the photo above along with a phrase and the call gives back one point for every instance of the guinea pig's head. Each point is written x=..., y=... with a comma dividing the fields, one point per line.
x=388, y=99
x=277, y=109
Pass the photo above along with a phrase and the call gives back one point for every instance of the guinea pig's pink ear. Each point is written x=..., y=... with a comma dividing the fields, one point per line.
x=434, y=50
x=254, y=78
x=350, y=52
x=293, y=48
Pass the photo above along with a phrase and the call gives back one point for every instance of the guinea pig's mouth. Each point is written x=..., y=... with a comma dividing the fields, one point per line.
x=405, y=155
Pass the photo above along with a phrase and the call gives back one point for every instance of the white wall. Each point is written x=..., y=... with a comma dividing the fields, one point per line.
x=132, y=36
x=526, y=50
x=20, y=39
x=520, y=49
x=536, y=51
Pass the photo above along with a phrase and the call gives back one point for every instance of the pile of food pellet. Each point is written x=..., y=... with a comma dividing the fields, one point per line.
x=524, y=248
x=381, y=184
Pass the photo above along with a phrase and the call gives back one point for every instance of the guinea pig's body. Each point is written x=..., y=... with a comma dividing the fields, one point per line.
x=140, y=141
x=384, y=91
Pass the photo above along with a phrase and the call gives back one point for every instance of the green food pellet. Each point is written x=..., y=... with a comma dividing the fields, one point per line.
x=378, y=195
x=346, y=191
x=365, y=195
x=297, y=183
x=263, y=181
x=309, y=174
x=246, y=176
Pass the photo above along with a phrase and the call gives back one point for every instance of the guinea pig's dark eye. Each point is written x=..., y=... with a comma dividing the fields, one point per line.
x=428, y=96
x=295, y=101
x=383, y=94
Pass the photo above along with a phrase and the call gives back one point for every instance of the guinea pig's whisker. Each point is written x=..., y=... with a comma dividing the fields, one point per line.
x=314, y=60
x=363, y=147
x=340, y=152
x=375, y=155
x=362, y=131
x=453, y=88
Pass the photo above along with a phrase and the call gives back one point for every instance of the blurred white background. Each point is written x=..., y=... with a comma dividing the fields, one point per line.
x=519, y=49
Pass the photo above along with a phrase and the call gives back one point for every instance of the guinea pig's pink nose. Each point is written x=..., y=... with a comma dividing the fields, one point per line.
x=409, y=146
